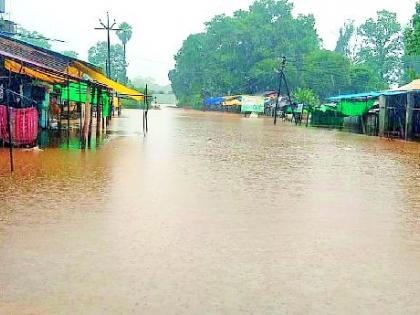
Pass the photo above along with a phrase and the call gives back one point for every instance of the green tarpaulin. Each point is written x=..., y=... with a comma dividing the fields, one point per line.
x=355, y=108
x=77, y=93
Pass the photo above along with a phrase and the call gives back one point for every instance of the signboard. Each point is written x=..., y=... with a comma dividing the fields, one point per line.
x=252, y=104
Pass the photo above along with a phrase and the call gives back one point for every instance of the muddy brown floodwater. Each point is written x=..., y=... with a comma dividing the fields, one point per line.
x=213, y=214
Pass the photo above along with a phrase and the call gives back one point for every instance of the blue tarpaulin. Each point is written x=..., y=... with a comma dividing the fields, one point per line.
x=355, y=96
x=363, y=95
x=214, y=101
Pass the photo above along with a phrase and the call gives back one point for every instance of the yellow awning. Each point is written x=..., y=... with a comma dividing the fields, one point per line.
x=116, y=102
x=234, y=102
x=100, y=78
x=16, y=67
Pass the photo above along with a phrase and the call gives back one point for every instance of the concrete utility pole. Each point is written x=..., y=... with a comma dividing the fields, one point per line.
x=108, y=28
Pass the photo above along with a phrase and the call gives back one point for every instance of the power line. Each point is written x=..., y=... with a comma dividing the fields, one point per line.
x=108, y=28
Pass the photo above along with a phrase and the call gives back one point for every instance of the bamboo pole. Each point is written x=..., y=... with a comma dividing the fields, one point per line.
x=68, y=111
x=86, y=117
x=80, y=114
x=9, y=128
x=91, y=120
x=147, y=110
x=144, y=112
x=98, y=114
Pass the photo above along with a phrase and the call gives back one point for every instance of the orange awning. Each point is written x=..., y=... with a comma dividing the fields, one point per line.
x=16, y=67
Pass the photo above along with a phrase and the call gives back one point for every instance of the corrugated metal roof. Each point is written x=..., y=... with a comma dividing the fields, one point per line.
x=354, y=96
x=24, y=52
x=363, y=95
x=38, y=56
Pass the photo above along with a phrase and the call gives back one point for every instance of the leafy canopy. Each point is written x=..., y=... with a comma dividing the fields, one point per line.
x=382, y=45
x=98, y=55
x=412, y=46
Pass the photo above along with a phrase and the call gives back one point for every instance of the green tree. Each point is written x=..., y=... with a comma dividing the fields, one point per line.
x=124, y=34
x=239, y=54
x=33, y=38
x=98, y=55
x=327, y=73
x=382, y=45
x=344, y=40
x=412, y=46
x=306, y=97
x=71, y=54
x=364, y=79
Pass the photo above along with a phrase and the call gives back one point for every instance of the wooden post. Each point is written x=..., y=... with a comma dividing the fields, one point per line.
x=409, y=116
x=144, y=112
x=383, y=115
x=68, y=111
x=147, y=110
x=362, y=122
x=9, y=130
x=98, y=113
x=91, y=119
x=60, y=114
x=80, y=114
x=9, y=124
x=86, y=120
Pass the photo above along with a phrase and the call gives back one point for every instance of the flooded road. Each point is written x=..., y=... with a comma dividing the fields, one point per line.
x=212, y=214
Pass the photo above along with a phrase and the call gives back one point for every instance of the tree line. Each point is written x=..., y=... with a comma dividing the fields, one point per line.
x=97, y=54
x=239, y=54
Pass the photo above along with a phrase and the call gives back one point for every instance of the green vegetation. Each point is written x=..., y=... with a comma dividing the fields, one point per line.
x=152, y=85
x=382, y=46
x=98, y=55
x=306, y=97
x=124, y=34
x=343, y=45
x=71, y=53
x=412, y=46
x=33, y=38
x=239, y=54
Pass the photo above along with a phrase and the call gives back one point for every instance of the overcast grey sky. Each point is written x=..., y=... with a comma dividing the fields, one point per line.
x=160, y=26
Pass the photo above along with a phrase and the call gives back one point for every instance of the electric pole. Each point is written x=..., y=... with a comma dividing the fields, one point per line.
x=282, y=79
x=108, y=28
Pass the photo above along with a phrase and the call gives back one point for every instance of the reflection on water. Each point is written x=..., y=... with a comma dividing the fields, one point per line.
x=212, y=213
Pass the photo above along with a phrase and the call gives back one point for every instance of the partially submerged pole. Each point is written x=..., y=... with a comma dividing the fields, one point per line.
x=68, y=111
x=288, y=92
x=278, y=98
x=9, y=124
x=91, y=119
x=98, y=113
x=147, y=110
x=9, y=130
x=383, y=115
x=282, y=78
x=86, y=120
x=409, y=116
x=80, y=115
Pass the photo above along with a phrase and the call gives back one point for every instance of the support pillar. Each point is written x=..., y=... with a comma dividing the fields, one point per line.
x=86, y=120
x=383, y=115
x=409, y=116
